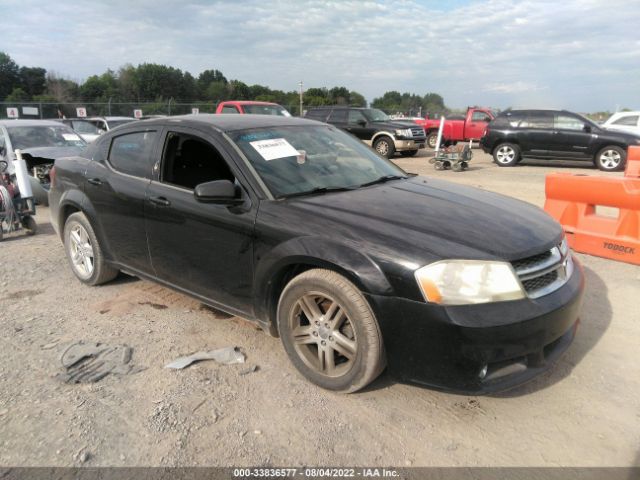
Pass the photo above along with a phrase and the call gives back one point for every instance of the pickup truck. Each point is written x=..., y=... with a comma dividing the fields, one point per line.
x=472, y=127
x=251, y=107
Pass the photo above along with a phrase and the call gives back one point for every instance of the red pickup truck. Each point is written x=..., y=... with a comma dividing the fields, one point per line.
x=251, y=107
x=471, y=127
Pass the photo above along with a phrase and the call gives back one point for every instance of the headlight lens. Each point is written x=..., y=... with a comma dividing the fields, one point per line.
x=404, y=132
x=463, y=282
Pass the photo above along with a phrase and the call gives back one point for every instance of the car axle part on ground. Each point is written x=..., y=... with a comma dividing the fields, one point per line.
x=355, y=264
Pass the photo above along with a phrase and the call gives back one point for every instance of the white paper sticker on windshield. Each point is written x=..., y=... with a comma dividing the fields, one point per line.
x=70, y=137
x=274, y=148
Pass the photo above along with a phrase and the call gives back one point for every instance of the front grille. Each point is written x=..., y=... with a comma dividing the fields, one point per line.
x=417, y=132
x=545, y=272
x=540, y=282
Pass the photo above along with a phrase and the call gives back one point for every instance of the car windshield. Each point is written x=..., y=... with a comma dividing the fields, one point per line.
x=375, y=115
x=82, y=126
x=44, y=136
x=117, y=123
x=312, y=159
x=266, y=110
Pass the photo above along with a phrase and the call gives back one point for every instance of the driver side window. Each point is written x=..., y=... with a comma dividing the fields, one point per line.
x=356, y=116
x=188, y=161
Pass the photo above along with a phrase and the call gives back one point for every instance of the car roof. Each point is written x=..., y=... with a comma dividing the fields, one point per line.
x=228, y=123
x=537, y=110
x=108, y=118
x=249, y=102
x=327, y=107
x=31, y=123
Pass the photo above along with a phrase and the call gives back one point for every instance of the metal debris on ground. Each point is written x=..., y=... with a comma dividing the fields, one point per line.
x=226, y=356
x=90, y=362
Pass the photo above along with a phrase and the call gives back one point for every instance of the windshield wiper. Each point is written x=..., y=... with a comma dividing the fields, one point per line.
x=316, y=191
x=383, y=179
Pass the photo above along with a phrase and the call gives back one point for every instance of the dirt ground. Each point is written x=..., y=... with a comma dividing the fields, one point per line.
x=584, y=412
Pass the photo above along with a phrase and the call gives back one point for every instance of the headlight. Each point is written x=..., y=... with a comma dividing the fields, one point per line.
x=404, y=132
x=462, y=282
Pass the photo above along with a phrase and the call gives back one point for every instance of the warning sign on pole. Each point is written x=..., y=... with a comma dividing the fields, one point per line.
x=12, y=112
x=137, y=114
x=195, y=111
x=81, y=112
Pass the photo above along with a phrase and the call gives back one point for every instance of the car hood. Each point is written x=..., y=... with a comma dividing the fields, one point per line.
x=611, y=131
x=40, y=155
x=425, y=219
x=395, y=124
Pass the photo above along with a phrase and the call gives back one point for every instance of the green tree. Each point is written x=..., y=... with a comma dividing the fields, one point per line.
x=62, y=89
x=238, y=90
x=9, y=75
x=155, y=81
x=33, y=80
x=18, y=95
x=356, y=99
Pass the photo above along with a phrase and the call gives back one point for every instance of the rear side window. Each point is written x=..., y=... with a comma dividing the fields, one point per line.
x=508, y=120
x=629, y=121
x=537, y=120
x=568, y=122
x=480, y=117
x=339, y=115
x=131, y=153
x=229, y=109
x=317, y=114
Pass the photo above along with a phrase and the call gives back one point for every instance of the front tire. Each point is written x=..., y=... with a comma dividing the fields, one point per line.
x=611, y=159
x=384, y=146
x=506, y=154
x=330, y=332
x=84, y=252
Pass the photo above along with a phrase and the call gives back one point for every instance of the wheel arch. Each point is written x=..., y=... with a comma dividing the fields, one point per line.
x=284, y=263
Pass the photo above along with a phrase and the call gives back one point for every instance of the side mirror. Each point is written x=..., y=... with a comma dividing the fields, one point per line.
x=587, y=128
x=222, y=192
x=362, y=123
x=3, y=166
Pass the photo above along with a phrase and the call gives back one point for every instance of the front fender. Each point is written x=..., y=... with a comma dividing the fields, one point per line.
x=273, y=266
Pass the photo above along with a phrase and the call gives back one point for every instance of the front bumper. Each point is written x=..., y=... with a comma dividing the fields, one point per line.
x=402, y=145
x=476, y=349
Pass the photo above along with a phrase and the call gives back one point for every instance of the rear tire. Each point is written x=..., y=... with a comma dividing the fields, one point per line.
x=506, y=154
x=611, y=159
x=330, y=332
x=84, y=252
x=384, y=146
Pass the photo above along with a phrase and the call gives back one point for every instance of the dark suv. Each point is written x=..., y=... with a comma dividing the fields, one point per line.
x=374, y=128
x=554, y=134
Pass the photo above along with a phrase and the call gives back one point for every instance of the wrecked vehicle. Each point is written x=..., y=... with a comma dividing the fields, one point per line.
x=41, y=143
x=352, y=262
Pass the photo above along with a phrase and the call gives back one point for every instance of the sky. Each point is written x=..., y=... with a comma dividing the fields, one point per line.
x=581, y=55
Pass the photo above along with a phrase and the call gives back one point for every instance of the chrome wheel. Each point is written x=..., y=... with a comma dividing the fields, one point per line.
x=81, y=251
x=505, y=154
x=432, y=140
x=382, y=147
x=610, y=159
x=323, y=335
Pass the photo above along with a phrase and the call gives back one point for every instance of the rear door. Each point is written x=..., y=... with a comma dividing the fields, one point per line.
x=203, y=248
x=116, y=183
x=535, y=133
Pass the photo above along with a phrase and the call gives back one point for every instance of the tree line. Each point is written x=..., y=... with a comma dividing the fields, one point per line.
x=150, y=82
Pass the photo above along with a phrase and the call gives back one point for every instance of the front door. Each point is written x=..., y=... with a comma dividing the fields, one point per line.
x=203, y=248
x=475, y=126
x=571, y=138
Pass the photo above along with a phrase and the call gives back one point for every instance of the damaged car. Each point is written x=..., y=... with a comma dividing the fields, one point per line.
x=355, y=264
x=41, y=143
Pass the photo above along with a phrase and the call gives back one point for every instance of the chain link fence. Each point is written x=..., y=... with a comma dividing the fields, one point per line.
x=45, y=110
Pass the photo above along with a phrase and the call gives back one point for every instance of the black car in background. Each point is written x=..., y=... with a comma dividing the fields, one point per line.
x=557, y=135
x=373, y=127
x=303, y=229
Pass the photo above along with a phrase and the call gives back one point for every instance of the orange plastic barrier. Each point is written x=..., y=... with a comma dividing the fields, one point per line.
x=572, y=201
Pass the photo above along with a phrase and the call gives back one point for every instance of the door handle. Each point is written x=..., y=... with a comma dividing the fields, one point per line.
x=160, y=201
x=94, y=181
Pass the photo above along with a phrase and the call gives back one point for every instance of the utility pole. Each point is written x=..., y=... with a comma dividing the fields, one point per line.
x=300, y=97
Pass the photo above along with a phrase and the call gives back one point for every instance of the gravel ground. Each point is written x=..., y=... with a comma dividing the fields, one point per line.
x=584, y=412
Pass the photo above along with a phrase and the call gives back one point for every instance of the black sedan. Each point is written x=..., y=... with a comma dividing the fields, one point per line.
x=354, y=263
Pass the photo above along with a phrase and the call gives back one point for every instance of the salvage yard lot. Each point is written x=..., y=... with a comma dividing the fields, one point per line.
x=584, y=412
